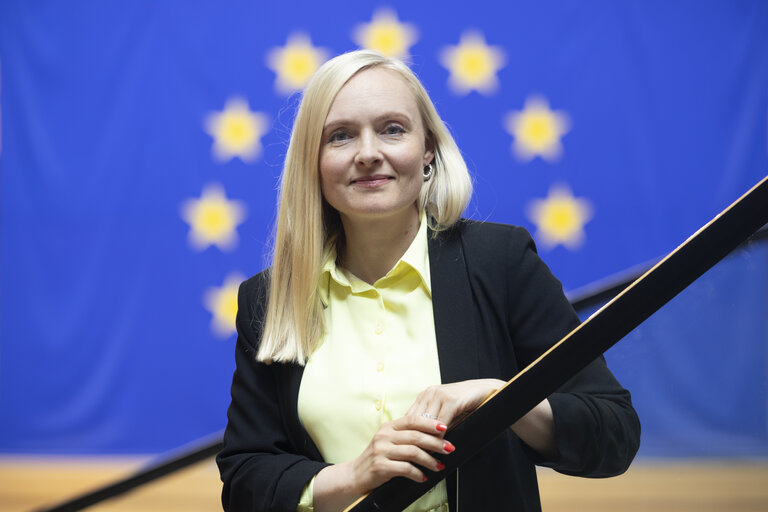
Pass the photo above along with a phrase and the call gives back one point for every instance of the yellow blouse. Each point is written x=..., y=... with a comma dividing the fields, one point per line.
x=379, y=352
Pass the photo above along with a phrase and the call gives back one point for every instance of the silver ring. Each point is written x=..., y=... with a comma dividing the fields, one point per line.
x=429, y=416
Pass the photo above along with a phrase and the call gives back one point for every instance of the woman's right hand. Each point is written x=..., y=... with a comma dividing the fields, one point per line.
x=393, y=451
x=396, y=447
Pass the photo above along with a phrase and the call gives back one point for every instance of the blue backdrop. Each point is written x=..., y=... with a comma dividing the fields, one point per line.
x=141, y=143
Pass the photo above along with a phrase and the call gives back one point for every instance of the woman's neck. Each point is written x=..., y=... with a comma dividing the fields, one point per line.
x=373, y=246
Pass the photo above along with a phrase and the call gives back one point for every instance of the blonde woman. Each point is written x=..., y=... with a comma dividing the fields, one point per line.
x=385, y=317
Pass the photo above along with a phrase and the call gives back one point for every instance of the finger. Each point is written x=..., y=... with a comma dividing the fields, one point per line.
x=428, y=408
x=415, y=455
x=393, y=468
x=436, y=408
x=427, y=442
x=413, y=430
x=420, y=423
x=447, y=413
x=431, y=415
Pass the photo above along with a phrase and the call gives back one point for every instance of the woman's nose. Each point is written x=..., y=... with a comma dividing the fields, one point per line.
x=368, y=150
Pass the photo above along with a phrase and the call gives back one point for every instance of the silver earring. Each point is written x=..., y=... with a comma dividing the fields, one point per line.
x=427, y=172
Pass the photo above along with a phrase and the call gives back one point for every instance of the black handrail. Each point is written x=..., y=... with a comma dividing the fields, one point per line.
x=605, y=289
x=205, y=448
x=590, y=296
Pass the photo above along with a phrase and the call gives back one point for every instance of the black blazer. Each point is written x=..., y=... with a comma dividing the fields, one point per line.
x=496, y=308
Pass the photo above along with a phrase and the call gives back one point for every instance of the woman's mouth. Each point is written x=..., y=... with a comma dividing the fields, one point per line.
x=372, y=181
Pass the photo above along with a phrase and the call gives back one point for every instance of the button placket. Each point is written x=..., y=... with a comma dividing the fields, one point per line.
x=378, y=329
x=380, y=325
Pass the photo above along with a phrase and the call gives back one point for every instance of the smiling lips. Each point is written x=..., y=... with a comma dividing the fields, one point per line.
x=373, y=181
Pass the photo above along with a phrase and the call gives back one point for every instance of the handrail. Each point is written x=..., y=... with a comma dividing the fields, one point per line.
x=205, y=448
x=605, y=289
x=589, y=296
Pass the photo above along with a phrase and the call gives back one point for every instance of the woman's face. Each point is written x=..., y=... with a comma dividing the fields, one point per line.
x=373, y=148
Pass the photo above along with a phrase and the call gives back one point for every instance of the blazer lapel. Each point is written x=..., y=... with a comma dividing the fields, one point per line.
x=453, y=307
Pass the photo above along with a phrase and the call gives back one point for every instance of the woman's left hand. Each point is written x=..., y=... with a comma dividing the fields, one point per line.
x=451, y=402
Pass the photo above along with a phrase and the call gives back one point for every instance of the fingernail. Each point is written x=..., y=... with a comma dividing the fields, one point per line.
x=448, y=447
x=440, y=466
x=424, y=478
x=441, y=428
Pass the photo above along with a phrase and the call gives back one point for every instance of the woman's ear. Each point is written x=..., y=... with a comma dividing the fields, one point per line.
x=429, y=149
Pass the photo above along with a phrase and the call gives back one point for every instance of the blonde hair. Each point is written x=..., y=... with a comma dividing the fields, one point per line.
x=307, y=226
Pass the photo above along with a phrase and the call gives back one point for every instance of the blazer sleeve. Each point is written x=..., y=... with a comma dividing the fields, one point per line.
x=597, y=431
x=260, y=468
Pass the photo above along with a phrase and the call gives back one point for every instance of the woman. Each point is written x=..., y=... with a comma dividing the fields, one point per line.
x=384, y=318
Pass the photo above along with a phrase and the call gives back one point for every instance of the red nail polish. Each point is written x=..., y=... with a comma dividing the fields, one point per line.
x=440, y=466
x=448, y=447
x=424, y=478
x=441, y=428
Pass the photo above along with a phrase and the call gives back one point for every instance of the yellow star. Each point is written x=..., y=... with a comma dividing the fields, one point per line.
x=236, y=131
x=295, y=63
x=213, y=219
x=560, y=218
x=473, y=64
x=386, y=34
x=537, y=130
x=222, y=304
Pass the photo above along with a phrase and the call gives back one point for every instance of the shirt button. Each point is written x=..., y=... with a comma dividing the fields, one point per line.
x=379, y=328
x=378, y=405
x=379, y=367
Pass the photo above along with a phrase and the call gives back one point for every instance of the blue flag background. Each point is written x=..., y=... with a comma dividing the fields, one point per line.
x=142, y=144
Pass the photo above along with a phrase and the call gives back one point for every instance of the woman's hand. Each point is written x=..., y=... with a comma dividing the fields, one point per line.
x=451, y=402
x=393, y=451
x=396, y=447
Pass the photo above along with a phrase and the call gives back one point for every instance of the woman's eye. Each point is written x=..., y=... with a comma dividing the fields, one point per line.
x=394, y=129
x=338, y=137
